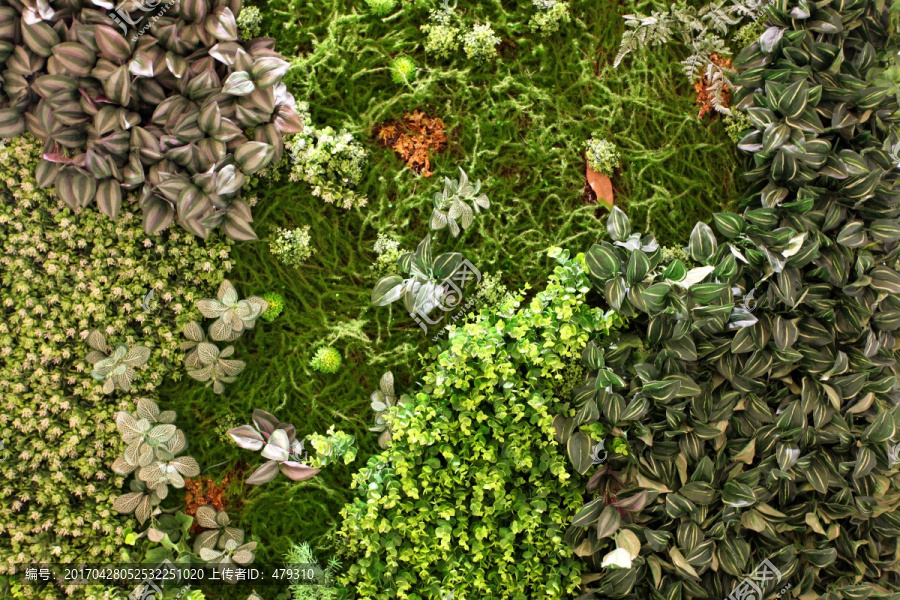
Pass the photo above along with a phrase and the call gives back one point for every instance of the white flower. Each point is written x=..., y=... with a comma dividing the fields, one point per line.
x=617, y=559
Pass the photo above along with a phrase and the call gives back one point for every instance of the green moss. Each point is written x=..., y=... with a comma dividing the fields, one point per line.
x=326, y=360
x=403, y=69
x=276, y=305
x=381, y=8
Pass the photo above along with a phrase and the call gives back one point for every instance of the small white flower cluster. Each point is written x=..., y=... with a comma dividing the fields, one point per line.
x=331, y=162
x=388, y=250
x=551, y=15
x=291, y=246
x=481, y=42
x=444, y=37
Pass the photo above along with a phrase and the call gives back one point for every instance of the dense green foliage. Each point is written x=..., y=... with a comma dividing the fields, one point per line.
x=471, y=496
x=64, y=275
x=758, y=389
x=518, y=123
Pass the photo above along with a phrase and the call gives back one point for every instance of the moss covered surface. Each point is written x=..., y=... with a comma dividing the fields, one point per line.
x=517, y=123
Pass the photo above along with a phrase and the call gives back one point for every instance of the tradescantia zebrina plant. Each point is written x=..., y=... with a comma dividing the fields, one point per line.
x=763, y=431
x=180, y=114
x=152, y=446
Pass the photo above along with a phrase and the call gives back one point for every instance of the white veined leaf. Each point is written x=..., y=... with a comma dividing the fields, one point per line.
x=794, y=245
x=695, y=276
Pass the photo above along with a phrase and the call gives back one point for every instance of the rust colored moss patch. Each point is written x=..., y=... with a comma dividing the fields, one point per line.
x=415, y=139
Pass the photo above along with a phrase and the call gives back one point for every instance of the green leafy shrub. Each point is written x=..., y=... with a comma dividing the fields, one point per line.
x=326, y=360
x=332, y=447
x=291, y=246
x=276, y=306
x=63, y=275
x=179, y=111
x=758, y=388
x=403, y=69
x=331, y=162
x=471, y=495
x=602, y=155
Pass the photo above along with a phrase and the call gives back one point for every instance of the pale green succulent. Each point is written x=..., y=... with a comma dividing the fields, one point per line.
x=220, y=532
x=231, y=554
x=602, y=155
x=115, y=367
x=442, y=40
x=330, y=161
x=551, y=15
x=215, y=368
x=451, y=204
x=248, y=23
x=331, y=447
x=152, y=447
x=383, y=399
x=291, y=246
x=233, y=315
x=381, y=8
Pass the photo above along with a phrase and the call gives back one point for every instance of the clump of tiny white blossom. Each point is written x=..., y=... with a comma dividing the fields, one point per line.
x=551, y=15
x=65, y=274
x=481, y=42
x=331, y=162
x=248, y=23
x=492, y=292
x=602, y=155
x=291, y=246
x=388, y=250
x=443, y=37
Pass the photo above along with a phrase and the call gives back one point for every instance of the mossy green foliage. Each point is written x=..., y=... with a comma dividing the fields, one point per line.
x=276, y=306
x=63, y=275
x=326, y=360
x=473, y=495
x=519, y=122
